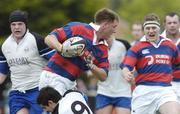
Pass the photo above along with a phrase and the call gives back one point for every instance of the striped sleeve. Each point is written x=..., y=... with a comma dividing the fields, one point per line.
x=130, y=58
x=73, y=29
x=103, y=62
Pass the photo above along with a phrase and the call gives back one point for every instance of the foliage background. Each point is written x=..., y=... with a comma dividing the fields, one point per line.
x=44, y=15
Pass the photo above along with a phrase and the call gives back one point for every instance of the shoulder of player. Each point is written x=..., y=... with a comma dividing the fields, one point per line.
x=7, y=43
x=170, y=44
x=37, y=36
x=71, y=92
x=77, y=25
x=168, y=41
x=124, y=42
x=39, y=40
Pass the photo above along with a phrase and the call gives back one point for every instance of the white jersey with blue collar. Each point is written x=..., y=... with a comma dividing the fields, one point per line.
x=115, y=85
x=25, y=60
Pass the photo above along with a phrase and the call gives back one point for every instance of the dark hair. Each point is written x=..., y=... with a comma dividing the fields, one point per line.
x=46, y=94
x=105, y=14
x=18, y=15
x=171, y=14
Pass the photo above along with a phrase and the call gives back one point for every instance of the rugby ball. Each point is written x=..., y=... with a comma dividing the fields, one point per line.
x=73, y=47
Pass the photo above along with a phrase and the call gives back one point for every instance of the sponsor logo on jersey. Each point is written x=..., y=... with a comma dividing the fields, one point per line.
x=18, y=61
x=145, y=51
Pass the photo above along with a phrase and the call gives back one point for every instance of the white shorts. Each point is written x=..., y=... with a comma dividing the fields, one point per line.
x=176, y=88
x=56, y=81
x=148, y=99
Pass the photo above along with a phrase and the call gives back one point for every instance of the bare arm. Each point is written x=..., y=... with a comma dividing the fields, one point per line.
x=95, y=71
x=53, y=43
x=2, y=78
x=99, y=73
x=128, y=75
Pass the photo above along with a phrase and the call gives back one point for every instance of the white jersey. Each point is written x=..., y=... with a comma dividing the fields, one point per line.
x=25, y=61
x=73, y=103
x=115, y=85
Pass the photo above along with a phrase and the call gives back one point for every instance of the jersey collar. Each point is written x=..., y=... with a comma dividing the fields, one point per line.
x=96, y=28
x=143, y=39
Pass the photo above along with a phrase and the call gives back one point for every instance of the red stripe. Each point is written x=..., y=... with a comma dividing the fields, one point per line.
x=156, y=77
x=169, y=44
x=139, y=45
x=176, y=74
x=104, y=49
x=142, y=63
x=83, y=31
x=61, y=34
x=67, y=65
x=130, y=60
x=103, y=65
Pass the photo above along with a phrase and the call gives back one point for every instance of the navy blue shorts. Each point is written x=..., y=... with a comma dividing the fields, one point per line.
x=102, y=101
x=19, y=100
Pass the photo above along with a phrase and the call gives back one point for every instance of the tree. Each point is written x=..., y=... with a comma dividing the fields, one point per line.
x=44, y=15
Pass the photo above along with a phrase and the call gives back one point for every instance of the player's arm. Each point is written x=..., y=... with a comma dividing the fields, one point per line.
x=2, y=78
x=99, y=73
x=100, y=70
x=53, y=42
x=128, y=75
x=4, y=69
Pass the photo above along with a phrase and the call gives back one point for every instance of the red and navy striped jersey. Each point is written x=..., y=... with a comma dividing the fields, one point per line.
x=71, y=68
x=152, y=62
x=176, y=72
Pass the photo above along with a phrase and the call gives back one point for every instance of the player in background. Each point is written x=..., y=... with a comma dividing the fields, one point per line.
x=23, y=54
x=72, y=102
x=137, y=32
x=115, y=92
x=172, y=25
x=153, y=58
x=172, y=31
x=61, y=72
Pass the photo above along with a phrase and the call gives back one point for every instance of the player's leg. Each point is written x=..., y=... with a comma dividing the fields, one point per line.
x=176, y=88
x=143, y=100
x=23, y=111
x=122, y=105
x=105, y=110
x=103, y=105
x=167, y=102
x=17, y=103
x=31, y=98
x=171, y=107
x=60, y=83
x=120, y=110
